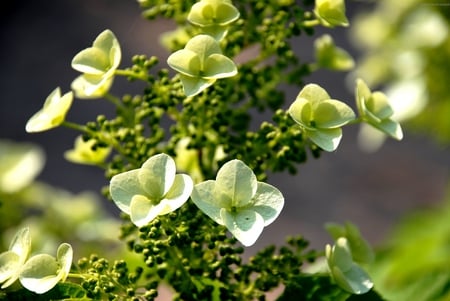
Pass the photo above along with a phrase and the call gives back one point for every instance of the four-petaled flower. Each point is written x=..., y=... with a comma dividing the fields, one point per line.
x=98, y=64
x=320, y=117
x=213, y=16
x=200, y=64
x=42, y=272
x=238, y=201
x=52, y=113
x=345, y=272
x=375, y=109
x=87, y=152
x=152, y=190
x=331, y=13
x=329, y=56
x=12, y=261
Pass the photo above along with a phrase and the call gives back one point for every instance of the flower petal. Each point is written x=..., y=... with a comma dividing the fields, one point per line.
x=327, y=139
x=246, y=225
x=64, y=255
x=268, y=202
x=186, y=62
x=332, y=113
x=219, y=66
x=204, y=198
x=378, y=105
x=204, y=46
x=91, y=61
x=123, y=187
x=194, y=85
x=301, y=111
x=235, y=183
x=9, y=268
x=143, y=210
x=87, y=86
x=178, y=194
x=39, y=274
x=390, y=127
x=314, y=93
x=354, y=280
x=156, y=176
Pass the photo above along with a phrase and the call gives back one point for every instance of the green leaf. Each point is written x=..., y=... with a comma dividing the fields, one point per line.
x=157, y=175
x=219, y=66
x=245, y=225
x=332, y=114
x=268, y=202
x=327, y=139
x=237, y=183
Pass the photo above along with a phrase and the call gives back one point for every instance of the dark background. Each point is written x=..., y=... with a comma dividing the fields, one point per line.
x=39, y=39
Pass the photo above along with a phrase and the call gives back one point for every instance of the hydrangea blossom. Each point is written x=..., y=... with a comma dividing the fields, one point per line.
x=213, y=16
x=12, y=261
x=331, y=13
x=238, y=201
x=98, y=64
x=20, y=163
x=331, y=57
x=375, y=109
x=320, y=117
x=85, y=153
x=52, y=114
x=200, y=64
x=152, y=190
x=42, y=272
x=345, y=272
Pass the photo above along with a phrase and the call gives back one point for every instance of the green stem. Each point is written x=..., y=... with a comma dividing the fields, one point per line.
x=76, y=126
x=114, y=100
x=129, y=73
x=311, y=23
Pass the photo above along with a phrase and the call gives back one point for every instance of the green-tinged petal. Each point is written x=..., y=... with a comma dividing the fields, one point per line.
x=20, y=164
x=218, y=66
x=39, y=274
x=327, y=139
x=314, y=93
x=85, y=153
x=64, y=256
x=205, y=13
x=9, y=267
x=186, y=62
x=236, y=182
x=194, y=85
x=390, y=128
x=362, y=94
x=142, y=210
x=301, y=111
x=157, y=175
x=268, y=202
x=341, y=255
x=331, y=12
x=21, y=244
x=123, y=187
x=332, y=114
x=92, y=61
x=205, y=199
x=354, y=280
x=52, y=114
x=246, y=225
x=331, y=57
x=378, y=105
x=361, y=250
x=88, y=86
x=218, y=32
x=204, y=46
x=178, y=194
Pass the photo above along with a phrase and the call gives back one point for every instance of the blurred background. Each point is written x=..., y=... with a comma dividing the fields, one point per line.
x=373, y=190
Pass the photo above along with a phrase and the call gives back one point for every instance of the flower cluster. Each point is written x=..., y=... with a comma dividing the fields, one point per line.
x=38, y=274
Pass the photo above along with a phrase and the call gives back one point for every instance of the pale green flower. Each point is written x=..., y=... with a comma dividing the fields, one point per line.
x=98, y=64
x=361, y=250
x=331, y=13
x=375, y=109
x=42, y=272
x=345, y=272
x=200, y=64
x=52, y=114
x=12, y=261
x=152, y=190
x=238, y=201
x=20, y=163
x=331, y=57
x=85, y=152
x=213, y=16
x=320, y=117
